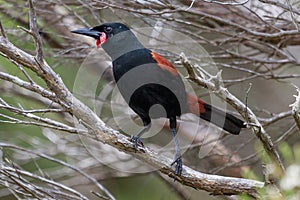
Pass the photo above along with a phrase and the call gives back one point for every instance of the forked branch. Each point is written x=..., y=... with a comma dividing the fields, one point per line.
x=212, y=83
x=99, y=131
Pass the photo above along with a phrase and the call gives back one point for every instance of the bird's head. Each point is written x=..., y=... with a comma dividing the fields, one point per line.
x=103, y=32
x=115, y=38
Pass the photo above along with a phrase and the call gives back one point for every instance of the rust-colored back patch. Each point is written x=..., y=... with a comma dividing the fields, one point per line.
x=196, y=106
x=164, y=64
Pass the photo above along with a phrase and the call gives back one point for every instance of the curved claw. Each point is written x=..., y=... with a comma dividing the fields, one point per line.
x=136, y=141
x=178, y=166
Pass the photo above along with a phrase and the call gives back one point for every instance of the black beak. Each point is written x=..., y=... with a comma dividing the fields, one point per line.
x=88, y=32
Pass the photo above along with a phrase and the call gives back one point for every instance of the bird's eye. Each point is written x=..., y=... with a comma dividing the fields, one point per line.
x=108, y=29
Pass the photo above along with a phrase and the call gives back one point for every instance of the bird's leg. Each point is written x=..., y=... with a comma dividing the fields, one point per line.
x=177, y=159
x=136, y=139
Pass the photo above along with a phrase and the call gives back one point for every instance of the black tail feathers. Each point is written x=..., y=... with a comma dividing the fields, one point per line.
x=222, y=119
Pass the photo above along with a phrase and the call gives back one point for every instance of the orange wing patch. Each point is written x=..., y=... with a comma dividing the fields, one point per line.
x=196, y=106
x=164, y=64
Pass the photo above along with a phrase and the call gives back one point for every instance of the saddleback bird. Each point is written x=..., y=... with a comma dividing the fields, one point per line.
x=145, y=78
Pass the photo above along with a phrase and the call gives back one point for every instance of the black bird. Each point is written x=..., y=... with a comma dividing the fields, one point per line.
x=145, y=78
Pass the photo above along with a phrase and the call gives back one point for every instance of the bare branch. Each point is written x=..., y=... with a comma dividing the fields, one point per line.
x=25, y=73
x=29, y=86
x=52, y=123
x=35, y=32
x=16, y=176
x=293, y=17
x=211, y=183
x=275, y=118
x=41, y=155
x=281, y=5
x=212, y=83
x=2, y=30
x=250, y=40
x=13, y=120
x=296, y=108
x=227, y=3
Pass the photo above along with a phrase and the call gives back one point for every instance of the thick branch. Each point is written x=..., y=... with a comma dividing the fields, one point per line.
x=213, y=84
x=211, y=183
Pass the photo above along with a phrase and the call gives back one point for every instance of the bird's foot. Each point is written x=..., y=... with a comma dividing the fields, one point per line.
x=178, y=165
x=136, y=141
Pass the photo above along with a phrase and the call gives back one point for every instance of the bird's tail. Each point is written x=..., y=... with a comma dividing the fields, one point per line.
x=215, y=115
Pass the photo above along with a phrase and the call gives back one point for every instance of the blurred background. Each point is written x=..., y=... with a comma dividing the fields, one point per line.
x=254, y=43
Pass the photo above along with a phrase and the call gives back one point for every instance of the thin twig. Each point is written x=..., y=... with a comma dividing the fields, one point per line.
x=48, y=121
x=212, y=183
x=275, y=118
x=93, y=180
x=35, y=32
x=227, y=3
x=296, y=108
x=31, y=86
x=267, y=42
x=245, y=111
x=2, y=31
x=24, y=72
x=12, y=120
x=15, y=174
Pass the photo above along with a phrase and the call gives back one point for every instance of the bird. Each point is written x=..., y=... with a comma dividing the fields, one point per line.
x=145, y=79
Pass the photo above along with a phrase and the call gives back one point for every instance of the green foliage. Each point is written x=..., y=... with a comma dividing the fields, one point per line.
x=250, y=174
x=143, y=187
x=287, y=153
x=285, y=187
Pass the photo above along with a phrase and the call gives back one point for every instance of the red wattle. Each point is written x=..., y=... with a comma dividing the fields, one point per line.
x=97, y=43
x=103, y=38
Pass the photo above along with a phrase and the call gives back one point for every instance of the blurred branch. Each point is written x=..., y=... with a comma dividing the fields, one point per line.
x=44, y=122
x=211, y=183
x=281, y=5
x=2, y=30
x=251, y=40
x=29, y=86
x=296, y=108
x=41, y=155
x=16, y=177
x=275, y=117
x=35, y=32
